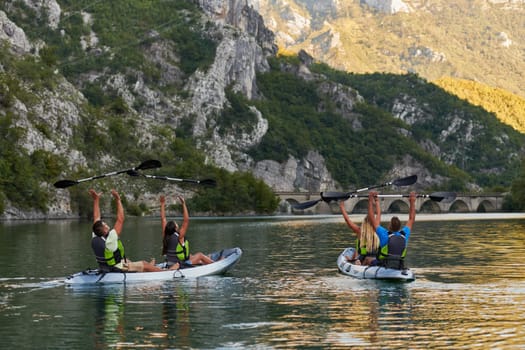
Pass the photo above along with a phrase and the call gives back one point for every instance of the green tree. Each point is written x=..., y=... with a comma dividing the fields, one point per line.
x=515, y=200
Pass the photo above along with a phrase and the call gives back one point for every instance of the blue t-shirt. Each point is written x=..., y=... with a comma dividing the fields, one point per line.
x=383, y=235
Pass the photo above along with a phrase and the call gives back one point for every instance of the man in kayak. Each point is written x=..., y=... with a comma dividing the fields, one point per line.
x=106, y=243
x=367, y=243
x=392, y=241
x=174, y=243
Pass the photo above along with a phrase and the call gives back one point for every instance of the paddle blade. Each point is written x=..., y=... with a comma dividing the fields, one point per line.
x=149, y=164
x=208, y=182
x=334, y=196
x=406, y=181
x=65, y=183
x=133, y=173
x=446, y=197
x=305, y=205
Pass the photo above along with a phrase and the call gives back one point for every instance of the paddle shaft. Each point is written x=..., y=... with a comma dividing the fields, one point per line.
x=101, y=176
x=210, y=182
x=167, y=178
x=148, y=164
x=393, y=196
x=437, y=196
x=405, y=181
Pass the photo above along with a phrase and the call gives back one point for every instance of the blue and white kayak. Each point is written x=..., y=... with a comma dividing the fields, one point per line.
x=224, y=261
x=371, y=272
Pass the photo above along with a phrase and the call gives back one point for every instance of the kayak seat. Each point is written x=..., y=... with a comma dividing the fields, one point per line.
x=393, y=262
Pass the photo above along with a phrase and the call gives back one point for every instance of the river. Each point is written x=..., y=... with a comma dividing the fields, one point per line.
x=284, y=293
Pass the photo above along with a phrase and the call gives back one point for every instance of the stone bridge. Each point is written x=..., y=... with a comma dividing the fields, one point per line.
x=463, y=203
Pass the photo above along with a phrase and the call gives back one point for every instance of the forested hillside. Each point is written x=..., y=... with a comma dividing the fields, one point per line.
x=88, y=87
x=473, y=48
x=508, y=107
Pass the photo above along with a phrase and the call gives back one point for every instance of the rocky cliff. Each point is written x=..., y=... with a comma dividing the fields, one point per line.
x=243, y=45
x=54, y=109
x=476, y=40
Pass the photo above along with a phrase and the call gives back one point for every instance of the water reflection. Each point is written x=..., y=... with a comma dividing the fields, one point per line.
x=176, y=316
x=286, y=291
x=163, y=308
x=109, y=317
x=338, y=311
x=373, y=315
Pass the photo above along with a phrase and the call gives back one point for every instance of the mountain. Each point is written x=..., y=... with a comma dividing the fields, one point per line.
x=482, y=41
x=88, y=87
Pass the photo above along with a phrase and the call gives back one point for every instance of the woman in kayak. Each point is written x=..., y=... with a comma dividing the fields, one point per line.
x=367, y=243
x=174, y=243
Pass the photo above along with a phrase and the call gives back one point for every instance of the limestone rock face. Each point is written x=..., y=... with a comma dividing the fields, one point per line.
x=241, y=53
x=14, y=35
x=305, y=175
x=389, y=6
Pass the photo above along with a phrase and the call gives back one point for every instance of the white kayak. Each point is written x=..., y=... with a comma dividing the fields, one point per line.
x=371, y=272
x=224, y=261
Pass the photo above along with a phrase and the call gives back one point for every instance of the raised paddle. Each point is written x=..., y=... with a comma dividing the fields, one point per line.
x=436, y=196
x=405, y=181
x=148, y=164
x=205, y=182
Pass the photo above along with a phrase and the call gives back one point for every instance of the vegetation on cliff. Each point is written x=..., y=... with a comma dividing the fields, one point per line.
x=109, y=129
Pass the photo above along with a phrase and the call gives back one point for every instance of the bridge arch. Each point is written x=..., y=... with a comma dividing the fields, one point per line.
x=361, y=207
x=459, y=206
x=353, y=206
x=398, y=206
x=430, y=206
x=485, y=206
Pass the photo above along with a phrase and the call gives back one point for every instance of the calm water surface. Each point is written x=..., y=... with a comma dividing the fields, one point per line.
x=284, y=293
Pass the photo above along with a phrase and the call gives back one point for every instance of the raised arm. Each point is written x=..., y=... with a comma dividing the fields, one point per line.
x=96, y=204
x=163, y=213
x=411, y=210
x=374, y=220
x=378, y=209
x=120, y=212
x=185, y=218
x=349, y=222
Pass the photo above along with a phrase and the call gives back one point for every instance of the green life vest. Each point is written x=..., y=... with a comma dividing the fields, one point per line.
x=183, y=252
x=104, y=256
x=362, y=251
x=113, y=258
x=175, y=251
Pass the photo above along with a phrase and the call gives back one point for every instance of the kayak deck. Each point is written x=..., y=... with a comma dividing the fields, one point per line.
x=230, y=257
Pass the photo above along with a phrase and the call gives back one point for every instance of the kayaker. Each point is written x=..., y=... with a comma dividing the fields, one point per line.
x=174, y=243
x=394, y=240
x=367, y=243
x=106, y=243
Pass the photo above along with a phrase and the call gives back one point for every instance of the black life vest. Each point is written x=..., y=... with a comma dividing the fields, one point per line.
x=176, y=252
x=392, y=255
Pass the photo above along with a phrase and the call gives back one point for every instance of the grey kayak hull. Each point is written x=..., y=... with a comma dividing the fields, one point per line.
x=93, y=276
x=371, y=272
